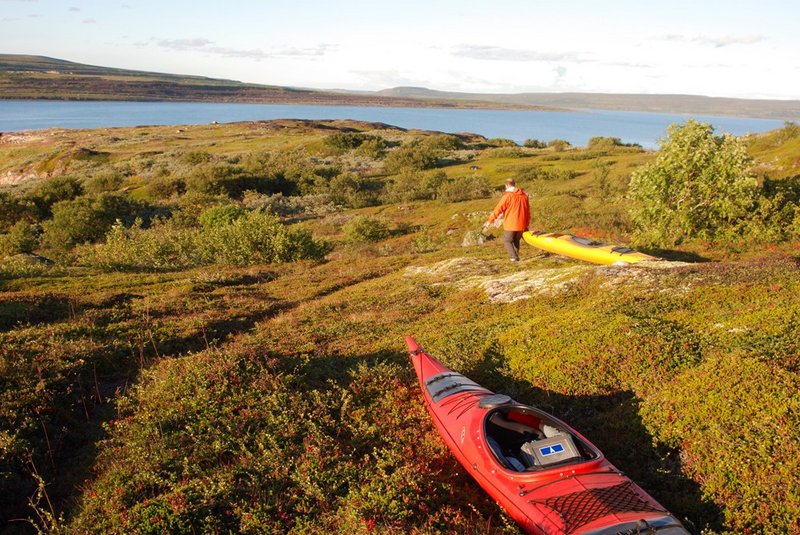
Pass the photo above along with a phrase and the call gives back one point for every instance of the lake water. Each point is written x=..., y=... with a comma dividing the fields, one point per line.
x=574, y=126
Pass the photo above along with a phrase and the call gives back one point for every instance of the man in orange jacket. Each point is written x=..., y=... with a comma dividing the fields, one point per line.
x=516, y=217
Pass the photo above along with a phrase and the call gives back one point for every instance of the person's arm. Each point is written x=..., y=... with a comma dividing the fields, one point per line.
x=501, y=208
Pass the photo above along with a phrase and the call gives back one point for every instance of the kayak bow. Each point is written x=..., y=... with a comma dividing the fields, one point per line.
x=546, y=475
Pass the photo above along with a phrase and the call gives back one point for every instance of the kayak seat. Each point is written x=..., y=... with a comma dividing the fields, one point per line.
x=508, y=461
x=505, y=438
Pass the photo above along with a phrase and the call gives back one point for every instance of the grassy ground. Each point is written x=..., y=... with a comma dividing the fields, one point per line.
x=279, y=398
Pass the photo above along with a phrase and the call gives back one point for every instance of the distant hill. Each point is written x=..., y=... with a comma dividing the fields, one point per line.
x=768, y=109
x=39, y=77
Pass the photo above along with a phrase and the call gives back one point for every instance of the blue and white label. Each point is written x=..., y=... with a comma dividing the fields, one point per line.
x=551, y=450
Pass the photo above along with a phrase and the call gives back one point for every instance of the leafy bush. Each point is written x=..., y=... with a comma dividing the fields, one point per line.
x=537, y=172
x=443, y=142
x=345, y=141
x=252, y=238
x=165, y=187
x=414, y=156
x=83, y=220
x=283, y=206
x=366, y=229
x=22, y=265
x=373, y=148
x=354, y=191
x=214, y=179
x=604, y=143
x=790, y=130
x=12, y=209
x=464, y=189
x=23, y=237
x=411, y=185
x=196, y=157
x=700, y=186
x=502, y=142
x=559, y=144
x=218, y=216
x=534, y=144
x=509, y=152
x=52, y=191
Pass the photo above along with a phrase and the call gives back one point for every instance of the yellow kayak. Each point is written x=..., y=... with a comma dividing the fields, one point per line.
x=584, y=249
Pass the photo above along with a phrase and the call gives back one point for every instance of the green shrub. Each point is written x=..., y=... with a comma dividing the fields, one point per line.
x=530, y=173
x=23, y=237
x=83, y=220
x=789, y=131
x=252, y=238
x=196, y=157
x=354, y=191
x=464, y=189
x=373, y=148
x=52, y=191
x=163, y=246
x=259, y=238
x=222, y=215
x=509, y=152
x=559, y=144
x=411, y=185
x=214, y=179
x=443, y=142
x=534, y=144
x=700, y=186
x=502, y=142
x=105, y=180
x=344, y=140
x=603, y=143
x=285, y=206
x=413, y=156
x=366, y=229
x=18, y=266
x=12, y=209
x=165, y=187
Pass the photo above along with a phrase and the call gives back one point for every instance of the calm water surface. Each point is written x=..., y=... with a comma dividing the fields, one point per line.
x=574, y=126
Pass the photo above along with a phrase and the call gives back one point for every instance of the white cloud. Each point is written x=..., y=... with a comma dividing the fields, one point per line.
x=89, y=20
x=205, y=45
x=184, y=44
x=496, y=53
x=719, y=41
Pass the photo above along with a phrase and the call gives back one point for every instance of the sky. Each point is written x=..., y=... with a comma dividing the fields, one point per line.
x=744, y=49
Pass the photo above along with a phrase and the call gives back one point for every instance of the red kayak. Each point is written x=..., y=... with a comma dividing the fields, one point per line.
x=546, y=475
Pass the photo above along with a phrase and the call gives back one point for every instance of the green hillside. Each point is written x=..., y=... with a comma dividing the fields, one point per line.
x=201, y=329
x=38, y=77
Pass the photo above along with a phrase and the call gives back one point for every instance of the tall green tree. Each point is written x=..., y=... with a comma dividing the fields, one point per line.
x=700, y=186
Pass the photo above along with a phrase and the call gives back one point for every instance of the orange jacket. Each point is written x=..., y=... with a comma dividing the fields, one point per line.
x=517, y=212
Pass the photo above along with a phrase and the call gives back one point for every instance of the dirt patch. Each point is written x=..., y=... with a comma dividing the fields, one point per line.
x=10, y=178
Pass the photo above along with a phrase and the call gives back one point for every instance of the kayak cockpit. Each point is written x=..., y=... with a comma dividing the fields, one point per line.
x=525, y=439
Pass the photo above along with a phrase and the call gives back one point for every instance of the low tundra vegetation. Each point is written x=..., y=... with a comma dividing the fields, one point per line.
x=206, y=334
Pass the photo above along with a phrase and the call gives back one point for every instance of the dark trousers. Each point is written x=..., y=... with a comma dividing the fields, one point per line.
x=511, y=239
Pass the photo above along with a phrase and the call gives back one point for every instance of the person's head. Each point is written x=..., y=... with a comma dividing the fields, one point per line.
x=510, y=184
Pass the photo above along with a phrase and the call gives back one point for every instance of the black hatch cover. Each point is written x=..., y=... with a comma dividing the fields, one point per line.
x=446, y=384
